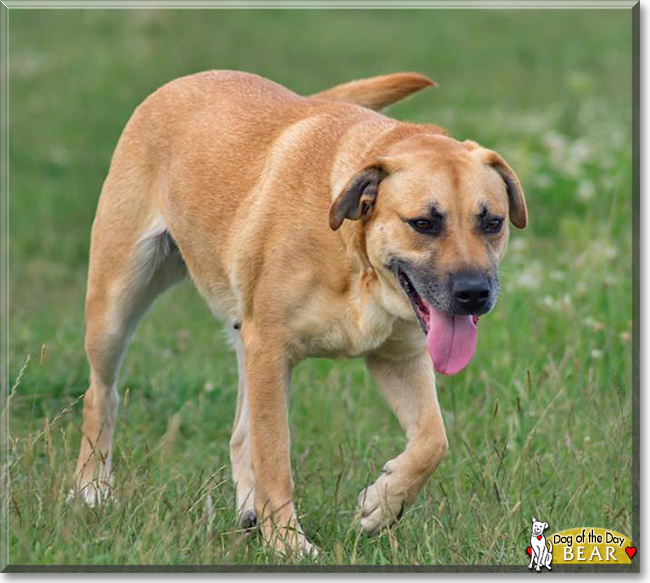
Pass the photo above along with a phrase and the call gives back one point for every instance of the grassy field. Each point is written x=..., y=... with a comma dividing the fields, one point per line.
x=538, y=425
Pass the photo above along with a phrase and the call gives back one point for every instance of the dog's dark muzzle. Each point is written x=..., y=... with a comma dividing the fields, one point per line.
x=472, y=292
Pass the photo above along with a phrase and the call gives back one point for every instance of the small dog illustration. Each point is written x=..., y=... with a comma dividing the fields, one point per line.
x=538, y=550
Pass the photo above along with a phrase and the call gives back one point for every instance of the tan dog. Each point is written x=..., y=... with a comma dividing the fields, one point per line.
x=313, y=227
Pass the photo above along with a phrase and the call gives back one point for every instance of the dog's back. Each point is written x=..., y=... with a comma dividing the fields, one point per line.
x=218, y=140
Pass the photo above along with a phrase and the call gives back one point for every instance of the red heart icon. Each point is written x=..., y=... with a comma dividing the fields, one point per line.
x=631, y=551
x=529, y=551
x=539, y=537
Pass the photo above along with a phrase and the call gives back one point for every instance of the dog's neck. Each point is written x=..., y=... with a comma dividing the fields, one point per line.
x=353, y=235
x=364, y=280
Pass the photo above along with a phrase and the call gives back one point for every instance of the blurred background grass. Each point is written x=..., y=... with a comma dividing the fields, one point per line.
x=539, y=425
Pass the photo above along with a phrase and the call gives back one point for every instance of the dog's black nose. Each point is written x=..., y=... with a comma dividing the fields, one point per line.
x=471, y=292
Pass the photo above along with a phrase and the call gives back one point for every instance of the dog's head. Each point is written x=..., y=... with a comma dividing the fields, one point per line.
x=539, y=527
x=435, y=226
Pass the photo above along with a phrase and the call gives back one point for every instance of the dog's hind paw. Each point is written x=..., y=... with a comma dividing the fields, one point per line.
x=248, y=519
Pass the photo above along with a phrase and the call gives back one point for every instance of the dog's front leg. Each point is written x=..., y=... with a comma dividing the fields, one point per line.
x=532, y=556
x=409, y=387
x=541, y=557
x=267, y=378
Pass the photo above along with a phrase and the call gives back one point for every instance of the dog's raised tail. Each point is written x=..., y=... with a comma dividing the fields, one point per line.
x=377, y=92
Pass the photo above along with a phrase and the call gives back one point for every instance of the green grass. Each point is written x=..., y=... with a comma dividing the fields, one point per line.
x=538, y=425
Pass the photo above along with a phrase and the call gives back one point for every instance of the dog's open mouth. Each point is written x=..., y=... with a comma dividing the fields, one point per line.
x=418, y=305
x=451, y=339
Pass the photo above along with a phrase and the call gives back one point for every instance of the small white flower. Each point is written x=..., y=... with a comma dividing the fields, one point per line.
x=530, y=277
x=207, y=387
x=549, y=302
x=593, y=324
x=586, y=190
x=610, y=252
x=517, y=245
x=596, y=354
x=581, y=150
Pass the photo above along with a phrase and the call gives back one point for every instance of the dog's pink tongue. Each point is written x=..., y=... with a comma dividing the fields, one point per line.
x=451, y=341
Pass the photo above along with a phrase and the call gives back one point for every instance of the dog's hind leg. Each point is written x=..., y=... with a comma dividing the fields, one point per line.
x=240, y=448
x=132, y=260
x=549, y=555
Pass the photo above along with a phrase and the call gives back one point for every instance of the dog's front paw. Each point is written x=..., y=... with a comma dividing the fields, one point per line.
x=301, y=548
x=382, y=503
x=289, y=542
x=93, y=493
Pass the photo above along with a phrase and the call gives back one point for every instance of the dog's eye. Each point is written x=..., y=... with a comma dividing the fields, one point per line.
x=426, y=226
x=423, y=225
x=493, y=226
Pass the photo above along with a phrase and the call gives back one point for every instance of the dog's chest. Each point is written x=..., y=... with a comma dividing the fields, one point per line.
x=537, y=541
x=346, y=332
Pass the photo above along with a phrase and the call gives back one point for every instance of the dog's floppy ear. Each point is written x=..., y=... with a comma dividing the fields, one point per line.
x=534, y=521
x=516, y=201
x=545, y=525
x=358, y=197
